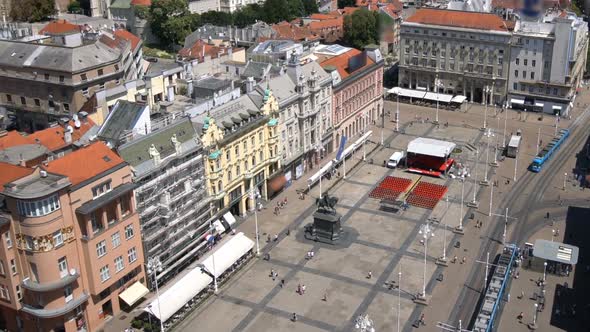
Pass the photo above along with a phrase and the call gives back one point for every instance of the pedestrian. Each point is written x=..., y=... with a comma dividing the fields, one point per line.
x=325, y=298
x=463, y=260
x=522, y=295
x=302, y=289
x=508, y=298
x=285, y=201
x=282, y=283
x=520, y=316
x=276, y=238
x=370, y=275
x=288, y=232
x=299, y=289
x=294, y=318
x=454, y=260
x=422, y=322
x=268, y=238
x=312, y=254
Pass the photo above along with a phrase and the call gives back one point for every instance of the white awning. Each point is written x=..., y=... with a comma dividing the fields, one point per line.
x=229, y=218
x=539, y=104
x=431, y=147
x=394, y=90
x=458, y=99
x=421, y=88
x=517, y=101
x=321, y=172
x=407, y=92
x=133, y=293
x=189, y=286
x=442, y=97
x=557, y=108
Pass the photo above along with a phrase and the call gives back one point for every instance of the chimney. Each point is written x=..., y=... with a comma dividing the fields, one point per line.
x=250, y=84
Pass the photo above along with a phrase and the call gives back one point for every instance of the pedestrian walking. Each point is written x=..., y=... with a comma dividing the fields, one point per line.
x=299, y=289
x=325, y=298
x=370, y=275
x=282, y=283
x=454, y=260
x=294, y=317
x=520, y=316
x=422, y=322
x=276, y=238
x=285, y=201
x=268, y=238
x=463, y=260
x=302, y=289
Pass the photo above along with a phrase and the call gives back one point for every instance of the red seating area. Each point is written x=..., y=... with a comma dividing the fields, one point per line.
x=426, y=195
x=390, y=188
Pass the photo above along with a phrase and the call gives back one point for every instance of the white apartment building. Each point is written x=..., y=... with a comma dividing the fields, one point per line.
x=547, y=62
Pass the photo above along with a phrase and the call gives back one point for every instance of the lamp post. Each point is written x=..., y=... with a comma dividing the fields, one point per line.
x=427, y=232
x=459, y=228
x=153, y=267
x=443, y=260
x=544, y=271
x=491, y=199
x=505, y=227
x=564, y=180
x=254, y=196
x=505, y=121
x=437, y=85
x=538, y=139
x=215, y=288
x=474, y=203
x=487, y=90
x=515, y=166
x=485, y=181
x=397, y=113
x=399, y=297
x=535, y=315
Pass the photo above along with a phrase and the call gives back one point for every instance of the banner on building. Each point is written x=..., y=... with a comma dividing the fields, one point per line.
x=341, y=147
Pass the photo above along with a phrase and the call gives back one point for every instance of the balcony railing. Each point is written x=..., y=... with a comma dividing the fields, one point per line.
x=50, y=286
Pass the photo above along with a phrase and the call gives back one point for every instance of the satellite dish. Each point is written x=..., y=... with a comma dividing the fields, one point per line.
x=72, y=272
x=77, y=124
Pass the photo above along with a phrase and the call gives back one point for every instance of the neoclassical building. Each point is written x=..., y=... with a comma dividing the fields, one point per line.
x=242, y=143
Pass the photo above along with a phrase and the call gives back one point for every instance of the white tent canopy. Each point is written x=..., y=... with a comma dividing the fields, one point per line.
x=458, y=99
x=180, y=293
x=431, y=147
x=442, y=97
x=517, y=101
x=407, y=92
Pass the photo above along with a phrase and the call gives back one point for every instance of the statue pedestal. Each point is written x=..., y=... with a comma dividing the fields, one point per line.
x=326, y=227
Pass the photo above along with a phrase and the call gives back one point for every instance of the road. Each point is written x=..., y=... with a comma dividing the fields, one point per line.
x=526, y=203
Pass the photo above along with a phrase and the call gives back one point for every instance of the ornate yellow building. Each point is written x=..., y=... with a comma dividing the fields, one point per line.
x=242, y=138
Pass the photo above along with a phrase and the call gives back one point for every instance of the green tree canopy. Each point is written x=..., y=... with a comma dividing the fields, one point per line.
x=74, y=7
x=311, y=7
x=361, y=28
x=171, y=21
x=217, y=18
x=276, y=11
x=248, y=15
x=32, y=10
x=346, y=3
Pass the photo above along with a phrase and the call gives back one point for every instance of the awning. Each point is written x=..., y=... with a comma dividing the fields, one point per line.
x=189, y=286
x=442, y=97
x=517, y=101
x=556, y=108
x=229, y=218
x=325, y=169
x=556, y=251
x=458, y=99
x=539, y=104
x=135, y=292
x=407, y=92
x=431, y=147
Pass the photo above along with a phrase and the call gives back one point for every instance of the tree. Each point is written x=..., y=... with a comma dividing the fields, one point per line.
x=346, y=3
x=361, y=28
x=74, y=7
x=248, y=15
x=170, y=20
x=296, y=9
x=32, y=10
x=311, y=7
x=216, y=18
x=275, y=11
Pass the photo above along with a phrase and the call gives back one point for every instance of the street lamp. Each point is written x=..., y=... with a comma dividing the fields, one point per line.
x=427, y=232
x=474, y=203
x=535, y=315
x=153, y=267
x=459, y=229
x=437, y=85
x=214, y=274
x=564, y=180
x=397, y=113
x=254, y=195
x=443, y=260
x=487, y=90
x=544, y=271
x=399, y=297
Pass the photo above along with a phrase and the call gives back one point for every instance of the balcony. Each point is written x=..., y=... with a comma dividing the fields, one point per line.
x=51, y=313
x=50, y=286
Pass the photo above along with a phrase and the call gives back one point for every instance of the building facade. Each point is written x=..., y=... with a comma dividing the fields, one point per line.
x=357, y=79
x=242, y=139
x=304, y=96
x=172, y=201
x=547, y=62
x=467, y=51
x=44, y=82
x=71, y=244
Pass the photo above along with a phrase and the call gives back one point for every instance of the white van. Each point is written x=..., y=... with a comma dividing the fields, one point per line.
x=395, y=159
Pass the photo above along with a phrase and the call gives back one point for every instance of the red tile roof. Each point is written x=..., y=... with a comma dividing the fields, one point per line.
x=328, y=16
x=331, y=23
x=340, y=62
x=59, y=26
x=200, y=49
x=85, y=163
x=391, y=10
x=453, y=18
x=128, y=36
x=141, y=3
x=9, y=173
x=52, y=138
x=286, y=30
